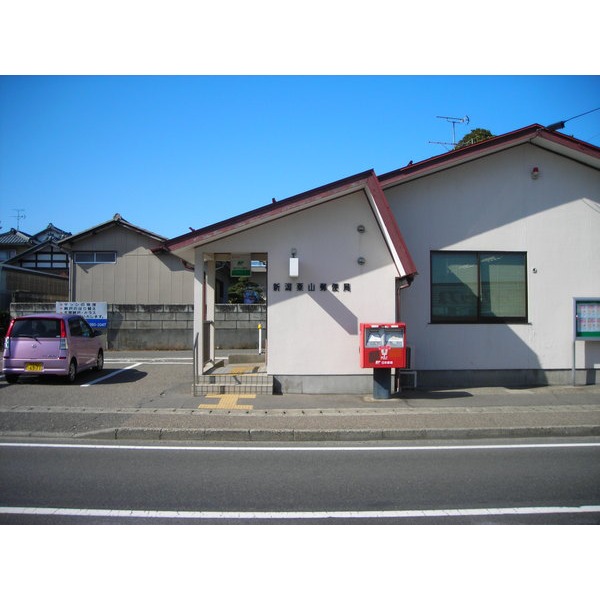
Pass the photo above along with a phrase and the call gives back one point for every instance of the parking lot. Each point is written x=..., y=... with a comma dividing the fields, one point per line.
x=133, y=380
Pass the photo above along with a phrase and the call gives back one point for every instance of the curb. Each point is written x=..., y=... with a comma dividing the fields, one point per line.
x=333, y=435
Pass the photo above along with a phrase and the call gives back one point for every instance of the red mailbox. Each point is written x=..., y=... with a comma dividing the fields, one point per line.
x=383, y=345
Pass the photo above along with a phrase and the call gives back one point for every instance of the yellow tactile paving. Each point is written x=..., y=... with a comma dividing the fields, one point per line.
x=229, y=401
x=239, y=370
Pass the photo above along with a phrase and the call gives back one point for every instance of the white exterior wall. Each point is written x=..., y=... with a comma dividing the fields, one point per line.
x=316, y=332
x=493, y=204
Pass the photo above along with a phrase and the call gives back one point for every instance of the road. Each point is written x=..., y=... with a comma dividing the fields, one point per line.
x=556, y=481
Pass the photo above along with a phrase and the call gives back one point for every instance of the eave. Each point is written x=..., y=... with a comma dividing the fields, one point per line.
x=117, y=220
x=537, y=135
x=184, y=245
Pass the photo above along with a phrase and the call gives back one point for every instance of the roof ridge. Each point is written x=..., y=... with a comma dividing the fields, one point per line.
x=473, y=151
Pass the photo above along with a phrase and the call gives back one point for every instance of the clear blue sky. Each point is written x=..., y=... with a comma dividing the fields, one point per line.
x=169, y=153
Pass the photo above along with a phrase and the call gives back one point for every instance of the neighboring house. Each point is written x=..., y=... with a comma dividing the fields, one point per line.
x=117, y=262
x=505, y=234
x=50, y=234
x=46, y=257
x=13, y=242
x=33, y=268
x=43, y=252
x=17, y=243
x=148, y=291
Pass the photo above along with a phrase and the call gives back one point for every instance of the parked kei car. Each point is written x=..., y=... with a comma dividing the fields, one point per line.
x=51, y=344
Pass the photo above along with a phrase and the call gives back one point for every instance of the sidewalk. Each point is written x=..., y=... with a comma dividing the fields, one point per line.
x=436, y=414
x=416, y=415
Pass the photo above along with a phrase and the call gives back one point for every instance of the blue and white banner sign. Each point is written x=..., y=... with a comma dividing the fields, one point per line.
x=95, y=313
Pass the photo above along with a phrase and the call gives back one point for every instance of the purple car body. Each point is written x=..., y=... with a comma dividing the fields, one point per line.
x=51, y=344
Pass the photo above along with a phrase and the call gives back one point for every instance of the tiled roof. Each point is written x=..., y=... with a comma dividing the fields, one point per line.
x=14, y=238
x=118, y=221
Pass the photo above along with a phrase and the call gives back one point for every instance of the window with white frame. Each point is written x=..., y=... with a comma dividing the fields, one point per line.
x=93, y=258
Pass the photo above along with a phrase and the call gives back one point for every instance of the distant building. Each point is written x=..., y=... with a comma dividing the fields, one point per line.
x=33, y=268
x=42, y=252
x=117, y=262
x=149, y=292
x=12, y=242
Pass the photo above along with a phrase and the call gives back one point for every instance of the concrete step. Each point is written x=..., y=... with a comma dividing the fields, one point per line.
x=231, y=379
x=260, y=384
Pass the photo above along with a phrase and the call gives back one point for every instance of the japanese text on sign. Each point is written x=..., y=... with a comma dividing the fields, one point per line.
x=311, y=287
x=95, y=313
x=587, y=318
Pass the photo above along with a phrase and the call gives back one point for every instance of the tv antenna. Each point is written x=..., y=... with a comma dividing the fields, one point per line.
x=19, y=216
x=454, y=121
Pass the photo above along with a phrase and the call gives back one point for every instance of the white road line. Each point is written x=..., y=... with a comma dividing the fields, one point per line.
x=158, y=361
x=285, y=515
x=110, y=375
x=148, y=362
x=250, y=448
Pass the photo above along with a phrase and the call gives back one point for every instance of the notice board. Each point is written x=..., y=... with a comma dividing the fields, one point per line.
x=95, y=313
x=587, y=318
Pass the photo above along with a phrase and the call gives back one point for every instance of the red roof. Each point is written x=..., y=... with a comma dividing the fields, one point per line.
x=535, y=134
x=367, y=181
x=374, y=188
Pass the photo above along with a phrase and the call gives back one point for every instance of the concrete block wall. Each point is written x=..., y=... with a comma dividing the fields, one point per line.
x=137, y=326
x=170, y=326
x=236, y=325
x=150, y=326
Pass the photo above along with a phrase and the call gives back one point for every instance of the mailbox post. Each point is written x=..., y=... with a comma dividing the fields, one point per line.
x=382, y=348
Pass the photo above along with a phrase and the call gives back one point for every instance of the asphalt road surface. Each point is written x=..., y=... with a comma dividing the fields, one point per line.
x=128, y=381
x=556, y=481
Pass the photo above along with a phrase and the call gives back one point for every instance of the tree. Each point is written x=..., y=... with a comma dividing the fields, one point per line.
x=476, y=135
x=245, y=292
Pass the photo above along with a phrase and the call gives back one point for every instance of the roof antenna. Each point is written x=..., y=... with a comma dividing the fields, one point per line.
x=19, y=216
x=454, y=121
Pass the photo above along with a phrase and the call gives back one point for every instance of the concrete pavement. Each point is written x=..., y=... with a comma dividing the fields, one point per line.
x=475, y=413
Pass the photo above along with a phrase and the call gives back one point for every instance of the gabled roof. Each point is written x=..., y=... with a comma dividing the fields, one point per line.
x=51, y=232
x=533, y=134
x=183, y=245
x=37, y=248
x=14, y=237
x=116, y=221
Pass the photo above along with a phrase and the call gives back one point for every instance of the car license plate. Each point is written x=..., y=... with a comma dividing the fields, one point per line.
x=34, y=366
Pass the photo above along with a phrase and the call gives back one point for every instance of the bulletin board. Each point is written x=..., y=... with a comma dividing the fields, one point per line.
x=587, y=318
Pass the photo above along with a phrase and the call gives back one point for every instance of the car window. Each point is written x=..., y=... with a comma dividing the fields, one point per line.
x=86, y=330
x=75, y=327
x=49, y=328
